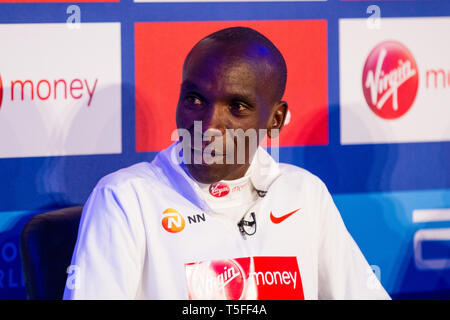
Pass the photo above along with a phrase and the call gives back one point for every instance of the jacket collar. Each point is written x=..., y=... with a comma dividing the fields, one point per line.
x=263, y=172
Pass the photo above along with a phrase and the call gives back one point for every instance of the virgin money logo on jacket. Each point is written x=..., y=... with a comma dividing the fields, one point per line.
x=60, y=91
x=390, y=80
x=394, y=87
x=273, y=278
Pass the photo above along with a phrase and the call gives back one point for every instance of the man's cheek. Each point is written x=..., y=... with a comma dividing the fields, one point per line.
x=182, y=119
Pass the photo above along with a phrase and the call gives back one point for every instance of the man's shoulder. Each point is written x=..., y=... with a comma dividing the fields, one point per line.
x=297, y=174
x=132, y=174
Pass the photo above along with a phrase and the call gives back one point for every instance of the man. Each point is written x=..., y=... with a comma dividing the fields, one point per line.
x=214, y=216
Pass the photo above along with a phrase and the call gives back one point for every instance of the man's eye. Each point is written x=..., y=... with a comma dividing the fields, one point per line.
x=193, y=100
x=238, y=107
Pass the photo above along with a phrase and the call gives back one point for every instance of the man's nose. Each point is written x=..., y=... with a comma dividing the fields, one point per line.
x=213, y=120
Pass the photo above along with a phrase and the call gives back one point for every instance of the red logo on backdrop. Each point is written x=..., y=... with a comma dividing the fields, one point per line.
x=161, y=48
x=263, y=278
x=219, y=189
x=390, y=80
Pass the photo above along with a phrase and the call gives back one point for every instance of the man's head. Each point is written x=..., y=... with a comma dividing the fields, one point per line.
x=232, y=79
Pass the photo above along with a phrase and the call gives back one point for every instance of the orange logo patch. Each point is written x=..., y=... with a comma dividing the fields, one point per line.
x=173, y=221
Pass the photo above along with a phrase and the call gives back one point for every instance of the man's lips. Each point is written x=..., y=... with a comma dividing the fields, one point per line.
x=213, y=153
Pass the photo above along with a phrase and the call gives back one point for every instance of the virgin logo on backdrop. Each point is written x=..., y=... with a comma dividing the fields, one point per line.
x=404, y=76
x=390, y=80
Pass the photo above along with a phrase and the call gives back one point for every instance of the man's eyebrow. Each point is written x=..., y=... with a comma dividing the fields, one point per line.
x=239, y=96
x=244, y=98
x=189, y=85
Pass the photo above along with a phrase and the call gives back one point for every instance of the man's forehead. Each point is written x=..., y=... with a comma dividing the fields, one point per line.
x=238, y=77
x=216, y=53
x=243, y=68
x=232, y=68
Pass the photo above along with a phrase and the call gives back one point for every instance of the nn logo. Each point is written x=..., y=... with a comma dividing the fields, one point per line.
x=196, y=218
x=173, y=222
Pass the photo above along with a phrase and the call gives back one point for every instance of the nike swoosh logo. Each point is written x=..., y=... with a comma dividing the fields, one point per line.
x=278, y=220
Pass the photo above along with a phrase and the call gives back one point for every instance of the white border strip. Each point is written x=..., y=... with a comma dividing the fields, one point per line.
x=429, y=215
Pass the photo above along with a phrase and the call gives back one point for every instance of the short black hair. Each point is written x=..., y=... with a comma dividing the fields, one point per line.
x=245, y=35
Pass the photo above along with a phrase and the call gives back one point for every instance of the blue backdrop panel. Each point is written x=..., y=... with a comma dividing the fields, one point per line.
x=376, y=187
x=382, y=225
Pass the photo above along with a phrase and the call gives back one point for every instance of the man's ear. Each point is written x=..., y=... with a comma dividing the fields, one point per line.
x=277, y=119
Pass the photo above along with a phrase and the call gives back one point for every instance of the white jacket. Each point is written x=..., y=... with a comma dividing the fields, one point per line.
x=146, y=233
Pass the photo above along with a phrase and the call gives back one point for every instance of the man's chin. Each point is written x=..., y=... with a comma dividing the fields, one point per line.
x=211, y=173
x=206, y=173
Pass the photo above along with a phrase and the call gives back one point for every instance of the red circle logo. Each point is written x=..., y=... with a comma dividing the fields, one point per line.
x=219, y=189
x=217, y=280
x=390, y=80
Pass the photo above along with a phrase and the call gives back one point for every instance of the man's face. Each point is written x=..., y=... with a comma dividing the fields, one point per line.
x=224, y=90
